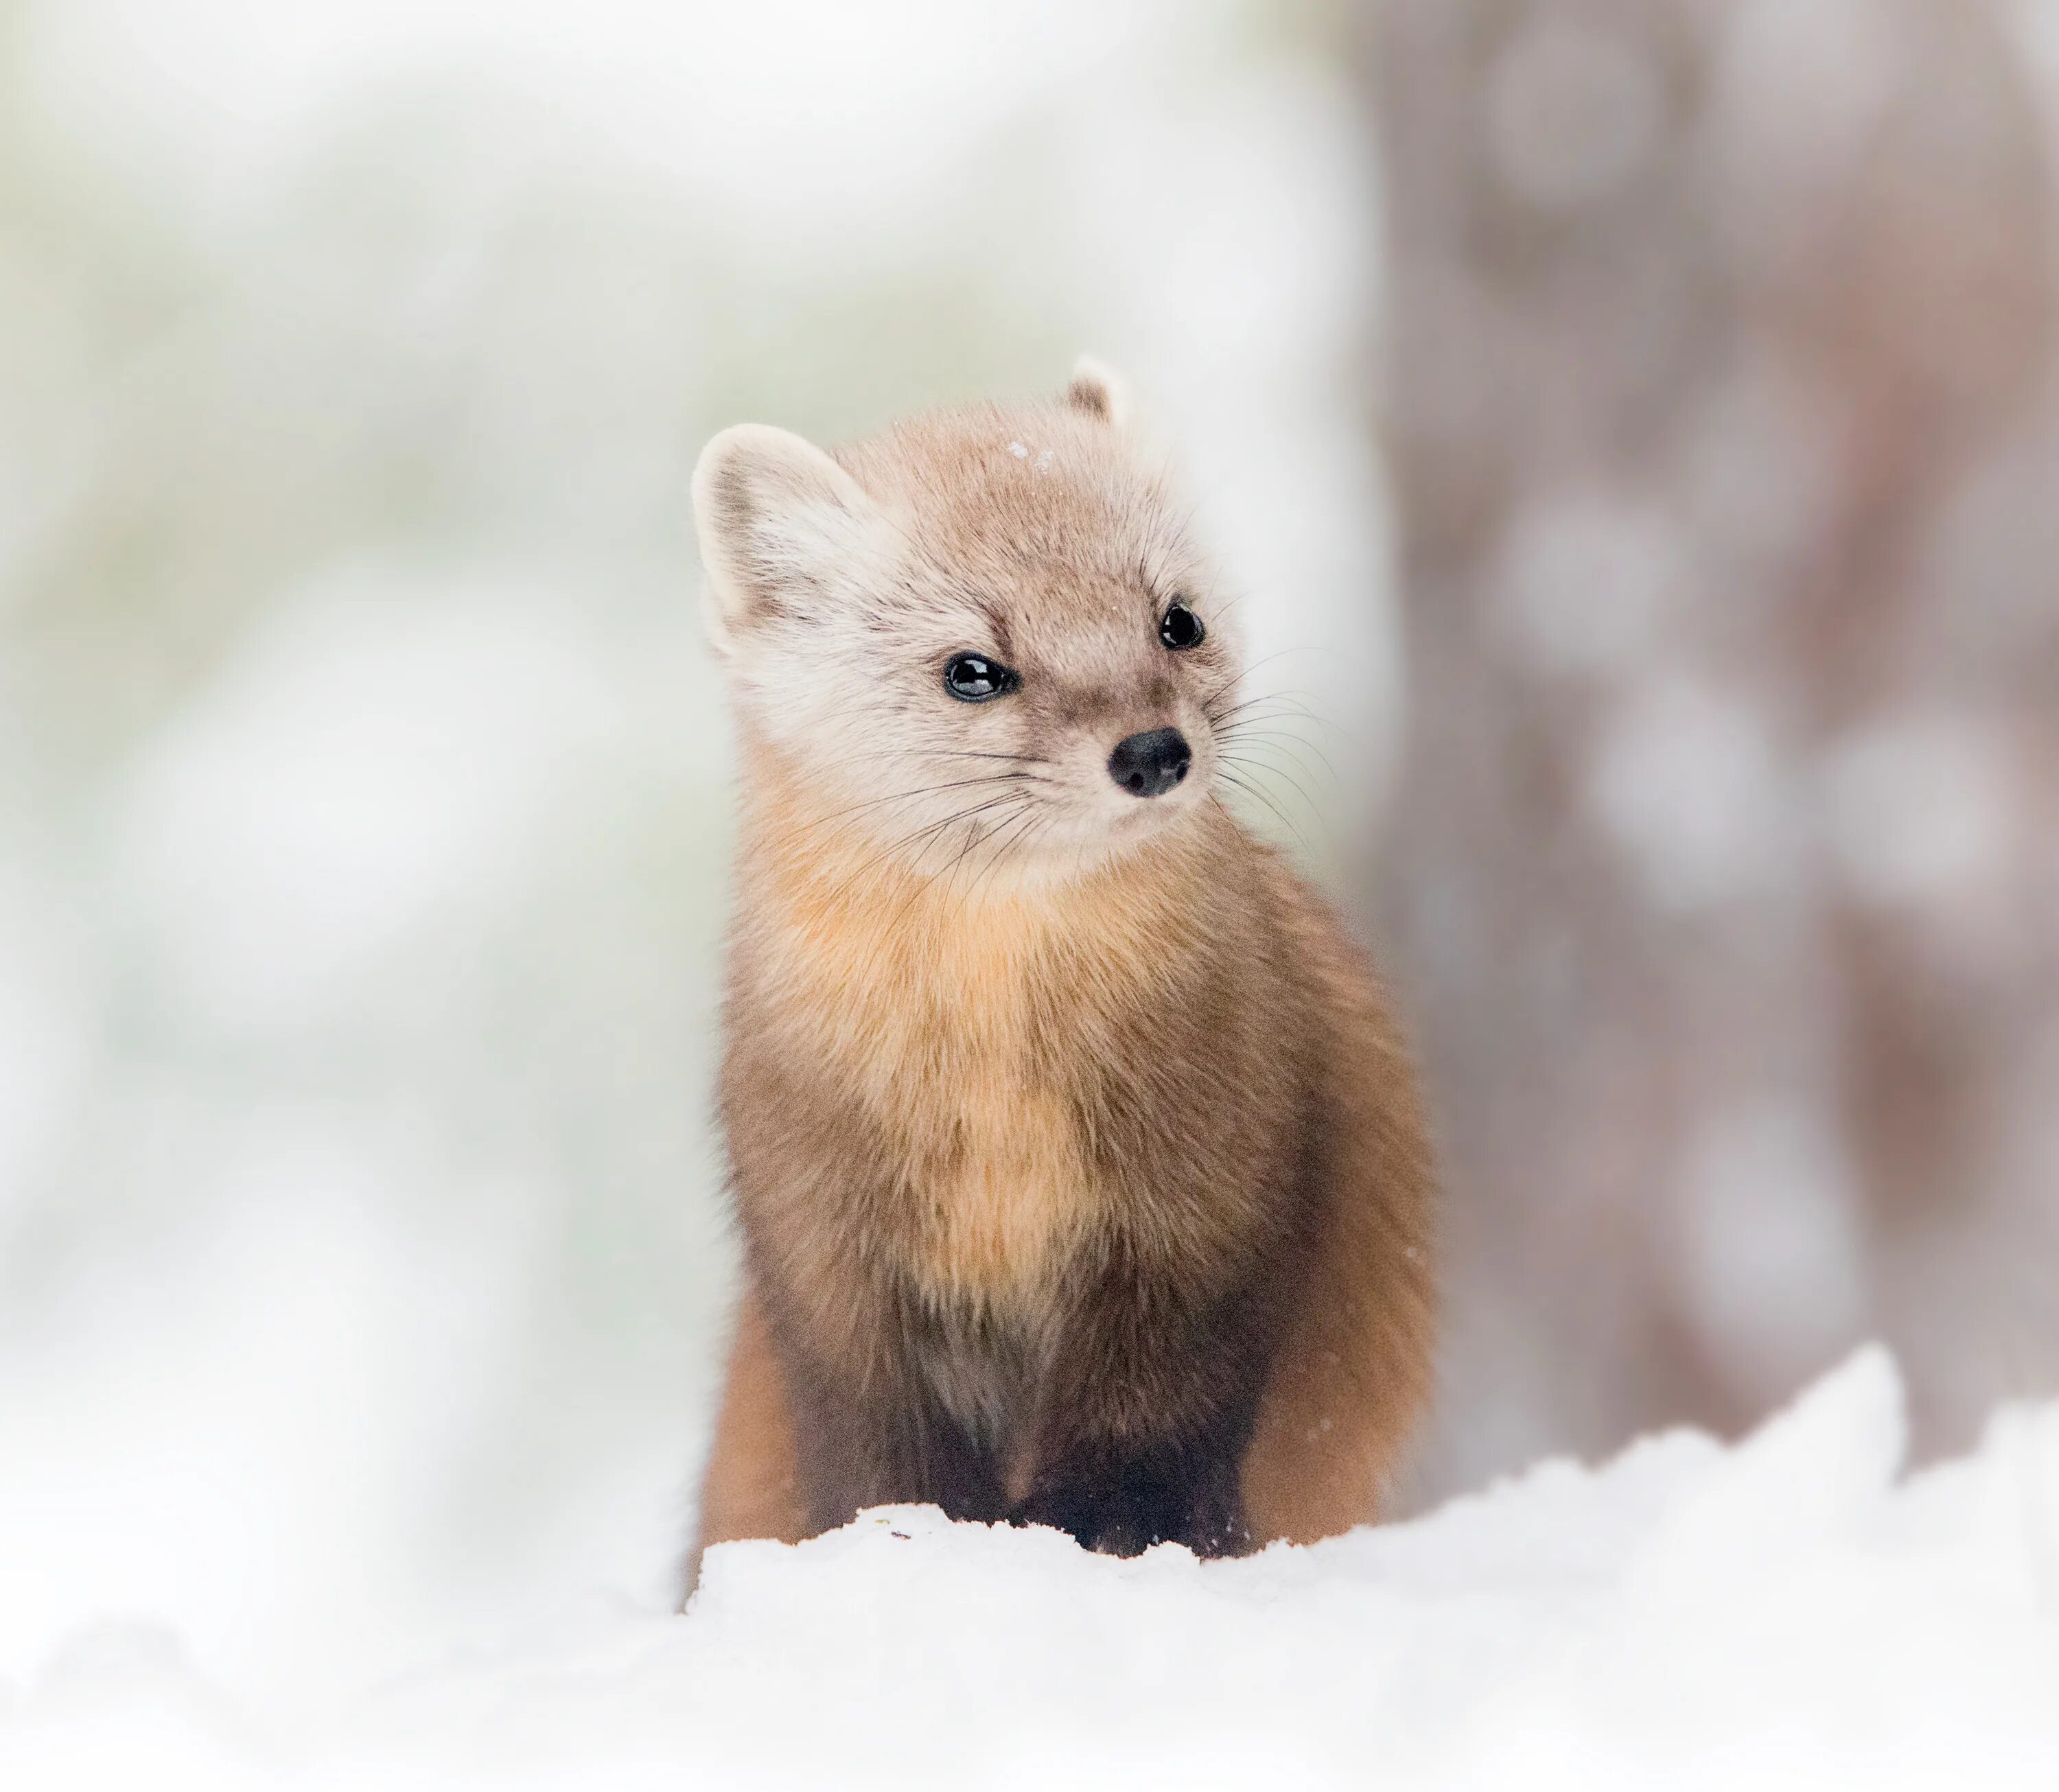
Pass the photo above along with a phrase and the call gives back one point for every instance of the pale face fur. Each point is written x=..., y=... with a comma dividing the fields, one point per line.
x=1038, y=536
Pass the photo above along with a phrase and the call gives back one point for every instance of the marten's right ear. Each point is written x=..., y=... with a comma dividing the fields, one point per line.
x=775, y=516
x=1097, y=389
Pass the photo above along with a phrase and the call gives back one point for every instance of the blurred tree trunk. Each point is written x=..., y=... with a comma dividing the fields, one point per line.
x=1719, y=387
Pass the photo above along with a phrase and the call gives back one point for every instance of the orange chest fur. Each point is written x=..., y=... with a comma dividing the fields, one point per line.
x=958, y=1030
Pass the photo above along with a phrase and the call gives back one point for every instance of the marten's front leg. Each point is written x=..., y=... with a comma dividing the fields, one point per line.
x=1146, y=1416
x=869, y=1431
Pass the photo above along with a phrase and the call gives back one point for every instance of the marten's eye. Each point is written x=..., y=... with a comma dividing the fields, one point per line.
x=972, y=678
x=1179, y=628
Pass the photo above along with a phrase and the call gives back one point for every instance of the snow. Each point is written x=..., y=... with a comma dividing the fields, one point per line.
x=1793, y=1611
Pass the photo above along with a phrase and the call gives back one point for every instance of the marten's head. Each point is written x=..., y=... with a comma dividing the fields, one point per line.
x=982, y=637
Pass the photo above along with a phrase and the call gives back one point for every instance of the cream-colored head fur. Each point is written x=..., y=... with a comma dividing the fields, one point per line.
x=840, y=585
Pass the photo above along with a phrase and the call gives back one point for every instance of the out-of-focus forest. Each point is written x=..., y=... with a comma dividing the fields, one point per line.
x=1719, y=385
x=1634, y=424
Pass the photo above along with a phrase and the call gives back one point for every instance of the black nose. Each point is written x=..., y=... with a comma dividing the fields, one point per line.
x=1150, y=764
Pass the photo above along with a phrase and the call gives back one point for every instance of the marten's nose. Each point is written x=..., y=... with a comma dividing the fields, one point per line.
x=1150, y=764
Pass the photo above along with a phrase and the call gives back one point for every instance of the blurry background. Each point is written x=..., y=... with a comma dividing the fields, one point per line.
x=1725, y=884
x=1634, y=423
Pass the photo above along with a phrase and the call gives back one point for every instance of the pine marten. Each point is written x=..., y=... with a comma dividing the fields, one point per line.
x=1081, y=1173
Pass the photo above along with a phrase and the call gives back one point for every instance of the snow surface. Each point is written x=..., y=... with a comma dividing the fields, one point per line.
x=1792, y=1612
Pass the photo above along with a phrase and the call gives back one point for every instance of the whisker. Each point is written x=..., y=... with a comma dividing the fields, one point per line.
x=1026, y=759
x=975, y=834
x=1298, y=712
x=1273, y=703
x=1252, y=790
x=1025, y=829
x=904, y=796
x=877, y=859
x=926, y=884
x=1231, y=737
x=1282, y=699
x=1258, y=768
x=1237, y=679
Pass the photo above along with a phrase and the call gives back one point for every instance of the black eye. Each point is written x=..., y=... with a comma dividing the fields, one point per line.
x=1179, y=628
x=972, y=678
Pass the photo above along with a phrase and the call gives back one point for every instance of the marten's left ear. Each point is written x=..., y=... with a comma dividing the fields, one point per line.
x=776, y=517
x=1099, y=392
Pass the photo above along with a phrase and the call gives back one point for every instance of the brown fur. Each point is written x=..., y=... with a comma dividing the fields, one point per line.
x=750, y=1488
x=1084, y=1185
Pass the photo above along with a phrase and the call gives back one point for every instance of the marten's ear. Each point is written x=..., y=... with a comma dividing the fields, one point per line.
x=1099, y=391
x=775, y=516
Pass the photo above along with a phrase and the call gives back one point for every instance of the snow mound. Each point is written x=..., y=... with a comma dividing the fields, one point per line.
x=1791, y=1611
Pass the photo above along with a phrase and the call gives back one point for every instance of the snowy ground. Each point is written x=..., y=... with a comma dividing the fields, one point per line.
x=1791, y=1611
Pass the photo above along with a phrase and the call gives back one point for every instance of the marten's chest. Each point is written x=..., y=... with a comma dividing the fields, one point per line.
x=975, y=1046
